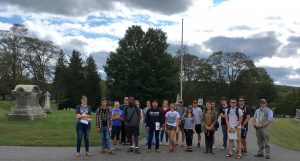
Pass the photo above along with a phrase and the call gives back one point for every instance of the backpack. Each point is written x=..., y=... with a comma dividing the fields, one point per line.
x=236, y=112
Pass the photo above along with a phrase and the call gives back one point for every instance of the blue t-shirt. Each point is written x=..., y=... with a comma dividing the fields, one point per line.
x=117, y=112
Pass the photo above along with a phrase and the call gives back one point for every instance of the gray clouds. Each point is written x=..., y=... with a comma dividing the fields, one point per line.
x=79, y=7
x=258, y=46
x=291, y=48
x=281, y=75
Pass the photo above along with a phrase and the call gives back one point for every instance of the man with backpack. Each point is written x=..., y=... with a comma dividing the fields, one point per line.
x=222, y=110
x=234, y=117
x=132, y=117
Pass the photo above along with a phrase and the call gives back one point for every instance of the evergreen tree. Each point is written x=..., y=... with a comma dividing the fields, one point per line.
x=92, y=83
x=75, y=80
x=59, y=82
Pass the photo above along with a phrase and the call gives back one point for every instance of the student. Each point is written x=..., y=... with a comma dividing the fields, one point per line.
x=132, y=117
x=209, y=119
x=234, y=117
x=104, y=126
x=148, y=106
x=262, y=119
x=123, y=132
x=189, y=128
x=164, y=131
x=117, y=117
x=83, y=125
x=222, y=110
x=153, y=124
x=198, y=118
x=181, y=110
x=217, y=125
x=246, y=118
x=171, y=124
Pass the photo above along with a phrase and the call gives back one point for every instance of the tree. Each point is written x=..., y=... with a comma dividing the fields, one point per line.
x=75, y=80
x=190, y=63
x=11, y=49
x=92, y=83
x=38, y=58
x=142, y=67
x=59, y=81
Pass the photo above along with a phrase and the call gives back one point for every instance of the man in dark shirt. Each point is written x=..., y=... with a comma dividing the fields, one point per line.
x=222, y=110
x=246, y=118
x=154, y=120
x=123, y=133
x=132, y=117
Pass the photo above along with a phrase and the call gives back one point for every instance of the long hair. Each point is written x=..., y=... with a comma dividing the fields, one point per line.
x=187, y=113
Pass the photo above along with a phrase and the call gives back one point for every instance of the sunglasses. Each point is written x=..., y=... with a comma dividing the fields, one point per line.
x=262, y=102
x=195, y=102
x=241, y=100
x=233, y=102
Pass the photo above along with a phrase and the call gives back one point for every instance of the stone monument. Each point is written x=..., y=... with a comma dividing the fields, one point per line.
x=297, y=114
x=47, y=107
x=27, y=103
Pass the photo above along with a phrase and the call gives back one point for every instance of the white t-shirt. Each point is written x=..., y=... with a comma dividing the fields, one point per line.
x=233, y=118
x=171, y=118
x=197, y=114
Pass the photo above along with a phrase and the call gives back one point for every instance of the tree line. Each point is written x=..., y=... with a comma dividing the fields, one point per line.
x=140, y=66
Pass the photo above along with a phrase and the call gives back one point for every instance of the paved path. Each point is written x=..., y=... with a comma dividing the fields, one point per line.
x=12, y=153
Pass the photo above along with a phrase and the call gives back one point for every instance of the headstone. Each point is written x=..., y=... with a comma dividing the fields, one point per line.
x=27, y=103
x=297, y=114
x=47, y=107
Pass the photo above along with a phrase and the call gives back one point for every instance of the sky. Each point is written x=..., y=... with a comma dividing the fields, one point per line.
x=268, y=31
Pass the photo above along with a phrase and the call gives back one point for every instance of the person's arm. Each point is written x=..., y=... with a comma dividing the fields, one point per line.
x=147, y=119
x=254, y=120
x=221, y=112
x=248, y=117
x=227, y=123
x=109, y=120
x=240, y=120
x=201, y=113
x=215, y=119
x=97, y=120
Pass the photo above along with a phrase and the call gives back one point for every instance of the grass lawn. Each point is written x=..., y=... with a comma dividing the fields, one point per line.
x=286, y=133
x=58, y=129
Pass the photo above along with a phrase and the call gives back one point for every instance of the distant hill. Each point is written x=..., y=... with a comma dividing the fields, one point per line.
x=283, y=90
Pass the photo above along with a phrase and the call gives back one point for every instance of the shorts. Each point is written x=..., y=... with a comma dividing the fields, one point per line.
x=171, y=128
x=132, y=131
x=115, y=132
x=244, y=133
x=198, y=128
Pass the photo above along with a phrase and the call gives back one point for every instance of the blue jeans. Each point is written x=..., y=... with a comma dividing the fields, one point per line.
x=224, y=129
x=105, y=137
x=83, y=130
x=147, y=137
x=151, y=137
x=162, y=132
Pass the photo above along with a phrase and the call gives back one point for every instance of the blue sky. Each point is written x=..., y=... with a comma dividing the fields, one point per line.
x=269, y=34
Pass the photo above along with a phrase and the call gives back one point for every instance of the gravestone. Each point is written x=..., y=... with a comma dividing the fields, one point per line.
x=27, y=103
x=297, y=114
x=47, y=107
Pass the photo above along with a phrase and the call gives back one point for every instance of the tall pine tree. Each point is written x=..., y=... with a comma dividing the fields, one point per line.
x=92, y=83
x=59, y=83
x=75, y=80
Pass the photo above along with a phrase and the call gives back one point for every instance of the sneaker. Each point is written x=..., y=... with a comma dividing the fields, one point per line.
x=213, y=147
x=130, y=150
x=160, y=143
x=101, y=151
x=259, y=155
x=157, y=151
x=87, y=154
x=167, y=144
x=223, y=148
x=198, y=145
x=77, y=154
x=137, y=151
x=233, y=149
x=149, y=150
x=268, y=157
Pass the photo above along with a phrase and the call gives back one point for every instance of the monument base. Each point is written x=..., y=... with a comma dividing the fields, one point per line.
x=26, y=117
x=27, y=114
x=48, y=111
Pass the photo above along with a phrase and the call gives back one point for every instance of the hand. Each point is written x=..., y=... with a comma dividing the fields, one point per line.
x=110, y=129
x=98, y=129
x=147, y=127
x=194, y=131
x=177, y=130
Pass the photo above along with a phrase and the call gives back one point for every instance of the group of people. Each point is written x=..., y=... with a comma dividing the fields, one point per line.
x=121, y=124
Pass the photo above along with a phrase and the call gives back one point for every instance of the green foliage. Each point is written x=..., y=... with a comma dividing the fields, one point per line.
x=288, y=104
x=141, y=67
x=92, y=83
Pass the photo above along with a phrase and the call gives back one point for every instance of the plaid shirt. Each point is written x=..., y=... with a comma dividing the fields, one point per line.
x=103, y=115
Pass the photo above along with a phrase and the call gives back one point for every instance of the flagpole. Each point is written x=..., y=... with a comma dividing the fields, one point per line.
x=181, y=60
